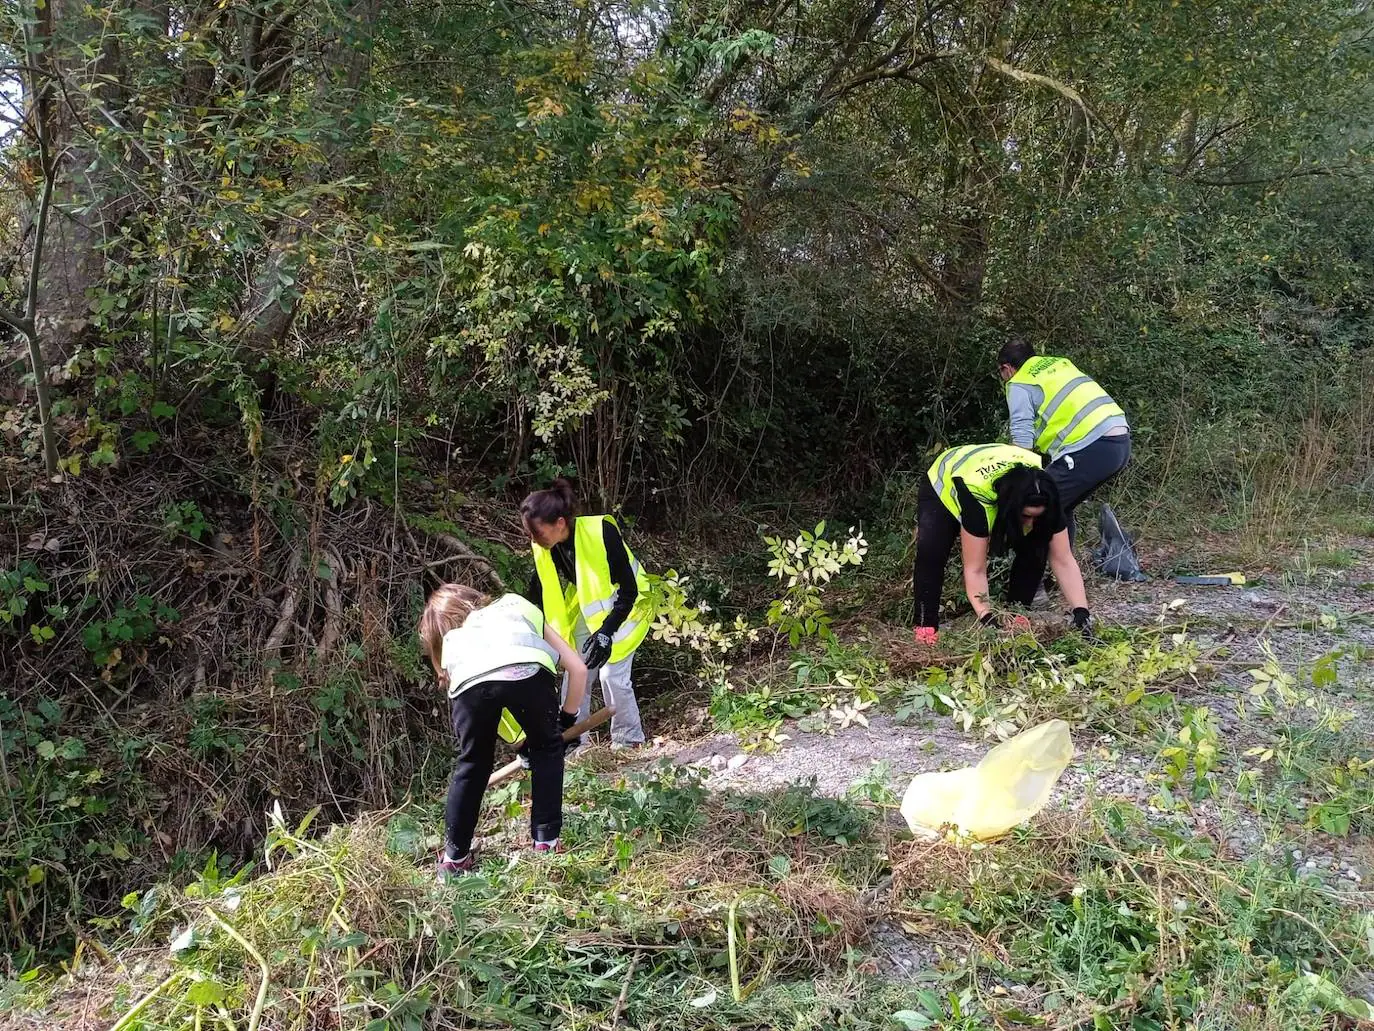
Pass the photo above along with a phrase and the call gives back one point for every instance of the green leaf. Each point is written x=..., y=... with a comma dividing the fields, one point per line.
x=46, y=749
x=306, y=821
x=206, y=993
x=1324, y=672
x=911, y=1020
x=1316, y=990
x=72, y=748
x=187, y=939
x=780, y=866
x=162, y=410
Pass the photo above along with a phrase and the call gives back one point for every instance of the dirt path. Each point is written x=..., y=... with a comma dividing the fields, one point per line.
x=1300, y=619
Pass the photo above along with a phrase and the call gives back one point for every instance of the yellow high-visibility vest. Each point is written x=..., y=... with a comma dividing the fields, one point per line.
x=592, y=595
x=979, y=466
x=1072, y=405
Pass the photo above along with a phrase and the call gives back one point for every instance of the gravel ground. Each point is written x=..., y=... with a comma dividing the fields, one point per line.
x=1301, y=616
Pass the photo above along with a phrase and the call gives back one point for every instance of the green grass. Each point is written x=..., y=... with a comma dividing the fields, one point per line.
x=735, y=912
x=1107, y=917
x=1355, y=521
x=700, y=911
x=679, y=908
x=1333, y=558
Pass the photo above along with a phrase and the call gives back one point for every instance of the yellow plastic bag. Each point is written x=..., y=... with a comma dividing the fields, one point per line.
x=1010, y=785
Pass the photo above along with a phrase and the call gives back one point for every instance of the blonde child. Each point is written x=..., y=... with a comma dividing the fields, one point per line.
x=493, y=655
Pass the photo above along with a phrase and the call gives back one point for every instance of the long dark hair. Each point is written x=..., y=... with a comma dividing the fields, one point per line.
x=549, y=506
x=1021, y=487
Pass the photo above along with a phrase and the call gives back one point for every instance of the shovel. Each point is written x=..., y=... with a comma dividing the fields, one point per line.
x=511, y=768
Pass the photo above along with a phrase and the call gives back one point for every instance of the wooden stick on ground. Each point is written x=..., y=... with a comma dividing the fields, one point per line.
x=590, y=723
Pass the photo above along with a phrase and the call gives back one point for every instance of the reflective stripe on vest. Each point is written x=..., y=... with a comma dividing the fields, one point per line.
x=979, y=466
x=508, y=632
x=593, y=594
x=1073, y=404
x=605, y=605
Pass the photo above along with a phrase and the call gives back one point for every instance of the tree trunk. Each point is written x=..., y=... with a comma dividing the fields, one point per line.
x=89, y=202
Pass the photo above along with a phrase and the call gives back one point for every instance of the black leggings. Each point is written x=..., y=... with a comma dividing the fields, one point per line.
x=476, y=713
x=1079, y=475
x=937, y=531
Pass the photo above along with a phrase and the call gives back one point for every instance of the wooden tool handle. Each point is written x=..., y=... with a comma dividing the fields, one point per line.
x=597, y=718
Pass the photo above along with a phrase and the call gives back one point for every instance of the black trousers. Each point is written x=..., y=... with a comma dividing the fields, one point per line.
x=1080, y=474
x=937, y=532
x=476, y=713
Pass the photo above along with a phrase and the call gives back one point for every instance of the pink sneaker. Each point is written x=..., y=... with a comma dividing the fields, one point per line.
x=926, y=635
x=448, y=868
x=548, y=846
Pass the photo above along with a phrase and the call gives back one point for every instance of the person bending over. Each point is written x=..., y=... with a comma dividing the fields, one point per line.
x=489, y=656
x=994, y=499
x=1058, y=411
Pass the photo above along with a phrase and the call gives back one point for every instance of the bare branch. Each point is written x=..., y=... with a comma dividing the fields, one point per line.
x=29, y=325
x=15, y=320
x=877, y=71
x=1210, y=139
x=1036, y=79
x=40, y=222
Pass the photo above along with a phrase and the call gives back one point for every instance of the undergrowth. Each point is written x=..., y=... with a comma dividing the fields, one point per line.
x=1114, y=922
x=986, y=683
x=676, y=908
x=670, y=908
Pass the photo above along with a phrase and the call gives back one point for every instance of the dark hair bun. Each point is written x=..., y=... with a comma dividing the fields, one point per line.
x=559, y=501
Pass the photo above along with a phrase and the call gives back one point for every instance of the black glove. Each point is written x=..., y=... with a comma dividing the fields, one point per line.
x=566, y=720
x=989, y=618
x=1082, y=622
x=597, y=650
